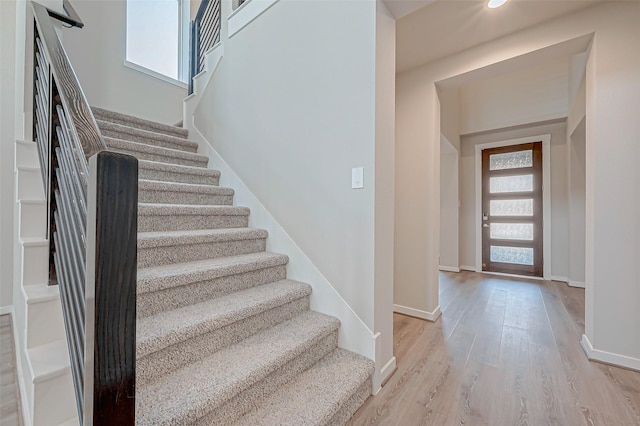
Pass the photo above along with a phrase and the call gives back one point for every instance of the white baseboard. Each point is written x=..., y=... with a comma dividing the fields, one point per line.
x=608, y=357
x=559, y=279
x=6, y=310
x=417, y=313
x=385, y=374
x=578, y=284
x=468, y=268
x=449, y=268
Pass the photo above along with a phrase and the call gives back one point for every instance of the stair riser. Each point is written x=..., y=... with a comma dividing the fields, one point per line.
x=44, y=323
x=156, y=365
x=189, y=294
x=350, y=406
x=53, y=401
x=248, y=399
x=166, y=176
x=35, y=264
x=148, y=140
x=190, y=222
x=161, y=158
x=190, y=252
x=175, y=197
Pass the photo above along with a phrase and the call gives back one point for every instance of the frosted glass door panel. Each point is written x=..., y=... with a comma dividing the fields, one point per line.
x=511, y=207
x=516, y=255
x=500, y=184
x=512, y=231
x=511, y=160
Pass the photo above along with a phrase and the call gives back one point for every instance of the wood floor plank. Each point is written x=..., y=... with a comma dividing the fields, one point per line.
x=10, y=414
x=505, y=352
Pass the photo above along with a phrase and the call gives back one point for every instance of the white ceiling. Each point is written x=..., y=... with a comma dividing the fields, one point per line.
x=444, y=27
x=401, y=8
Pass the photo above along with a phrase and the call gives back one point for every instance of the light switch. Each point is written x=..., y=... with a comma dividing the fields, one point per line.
x=357, y=177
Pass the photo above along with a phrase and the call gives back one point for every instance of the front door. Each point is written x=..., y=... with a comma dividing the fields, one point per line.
x=512, y=209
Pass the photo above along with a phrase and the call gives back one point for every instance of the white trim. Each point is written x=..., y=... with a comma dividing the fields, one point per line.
x=608, y=357
x=546, y=196
x=468, y=268
x=449, y=268
x=385, y=374
x=578, y=284
x=154, y=74
x=559, y=279
x=417, y=313
x=245, y=14
x=504, y=274
x=6, y=310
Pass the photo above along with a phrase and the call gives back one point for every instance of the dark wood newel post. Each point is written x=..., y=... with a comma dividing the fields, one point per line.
x=111, y=290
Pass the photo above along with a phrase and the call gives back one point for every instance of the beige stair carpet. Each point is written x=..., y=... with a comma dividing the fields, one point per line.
x=223, y=337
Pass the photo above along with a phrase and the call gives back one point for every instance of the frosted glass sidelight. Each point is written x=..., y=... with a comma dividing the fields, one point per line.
x=516, y=255
x=511, y=207
x=511, y=160
x=521, y=183
x=512, y=231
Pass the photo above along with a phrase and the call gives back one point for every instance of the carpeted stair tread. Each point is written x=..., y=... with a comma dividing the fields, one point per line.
x=185, y=395
x=316, y=395
x=164, y=277
x=155, y=153
x=156, y=170
x=140, y=123
x=198, y=236
x=159, y=331
x=121, y=131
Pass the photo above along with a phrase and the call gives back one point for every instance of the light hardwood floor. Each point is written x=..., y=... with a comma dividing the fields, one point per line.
x=9, y=396
x=505, y=352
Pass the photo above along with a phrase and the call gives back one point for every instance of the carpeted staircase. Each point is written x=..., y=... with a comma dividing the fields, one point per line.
x=223, y=338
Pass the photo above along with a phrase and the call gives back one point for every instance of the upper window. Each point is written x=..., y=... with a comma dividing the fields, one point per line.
x=157, y=36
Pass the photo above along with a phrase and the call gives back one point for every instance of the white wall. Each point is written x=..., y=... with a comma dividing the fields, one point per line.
x=449, y=207
x=7, y=146
x=559, y=197
x=530, y=95
x=612, y=181
x=577, y=190
x=385, y=90
x=303, y=94
x=97, y=54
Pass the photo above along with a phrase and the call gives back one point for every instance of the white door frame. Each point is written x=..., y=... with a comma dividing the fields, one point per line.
x=546, y=197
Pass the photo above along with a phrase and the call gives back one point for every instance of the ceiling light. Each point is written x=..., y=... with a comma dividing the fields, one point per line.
x=492, y=4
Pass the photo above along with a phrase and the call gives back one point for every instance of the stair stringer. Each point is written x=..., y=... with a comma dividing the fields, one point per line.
x=44, y=374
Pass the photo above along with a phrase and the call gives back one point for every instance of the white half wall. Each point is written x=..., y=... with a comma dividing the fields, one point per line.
x=97, y=54
x=612, y=181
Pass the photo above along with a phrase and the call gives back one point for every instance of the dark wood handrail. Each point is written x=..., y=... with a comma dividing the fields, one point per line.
x=71, y=16
x=71, y=94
